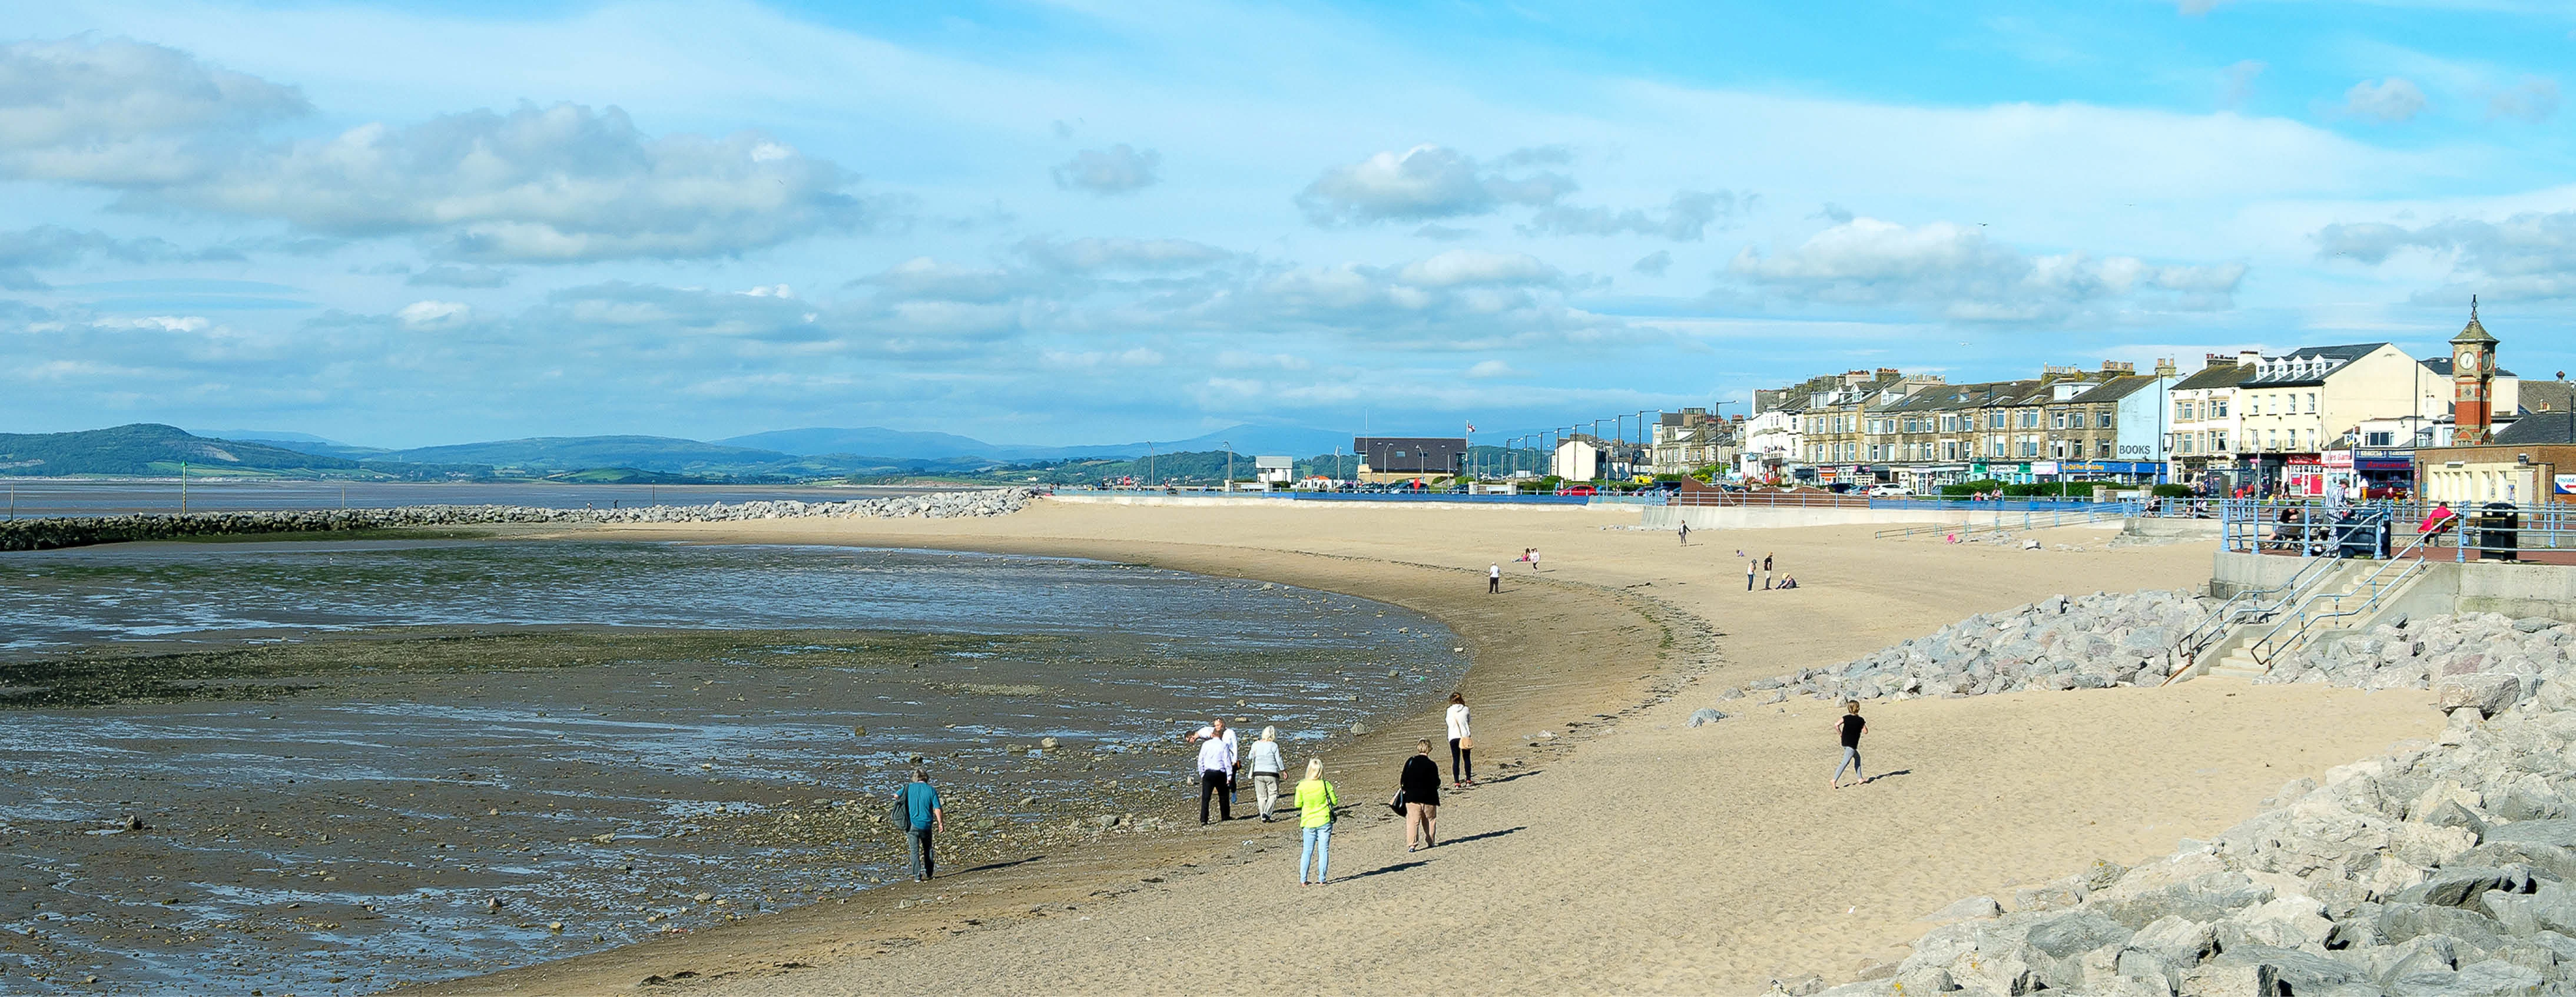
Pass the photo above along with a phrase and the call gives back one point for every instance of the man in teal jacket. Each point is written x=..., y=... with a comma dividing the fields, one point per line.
x=922, y=816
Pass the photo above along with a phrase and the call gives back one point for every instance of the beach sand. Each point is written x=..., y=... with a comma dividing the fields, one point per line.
x=1628, y=854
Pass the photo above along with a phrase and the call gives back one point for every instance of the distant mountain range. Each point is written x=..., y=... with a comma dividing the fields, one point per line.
x=793, y=454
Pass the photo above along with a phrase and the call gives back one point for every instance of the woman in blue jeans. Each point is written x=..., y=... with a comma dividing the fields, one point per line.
x=1315, y=802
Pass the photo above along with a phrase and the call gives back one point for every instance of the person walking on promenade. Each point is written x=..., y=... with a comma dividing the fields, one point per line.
x=1848, y=728
x=1216, y=768
x=1462, y=743
x=922, y=816
x=1266, y=766
x=1748, y=574
x=1420, y=781
x=1494, y=578
x=1315, y=803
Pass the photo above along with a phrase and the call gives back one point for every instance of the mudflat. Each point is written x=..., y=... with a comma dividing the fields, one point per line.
x=1609, y=847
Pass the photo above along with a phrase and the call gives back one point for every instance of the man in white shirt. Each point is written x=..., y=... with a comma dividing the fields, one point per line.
x=1216, y=768
x=1494, y=578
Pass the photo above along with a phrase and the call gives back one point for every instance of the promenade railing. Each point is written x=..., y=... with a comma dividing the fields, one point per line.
x=2466, y=532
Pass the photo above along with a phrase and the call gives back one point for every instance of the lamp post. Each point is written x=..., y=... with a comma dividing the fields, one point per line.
x=1645, y=439
x=1229, y=463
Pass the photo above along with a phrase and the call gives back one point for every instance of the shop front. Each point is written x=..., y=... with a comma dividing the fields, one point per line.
x=2385, y=473
x=2130, y=472
x=2305, y=476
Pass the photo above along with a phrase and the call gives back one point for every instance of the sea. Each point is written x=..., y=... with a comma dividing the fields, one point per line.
x=335, y=766
x=27, y=498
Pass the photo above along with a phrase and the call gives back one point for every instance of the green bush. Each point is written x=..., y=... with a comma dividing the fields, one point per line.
x=2172, y=491
x=1973, y=487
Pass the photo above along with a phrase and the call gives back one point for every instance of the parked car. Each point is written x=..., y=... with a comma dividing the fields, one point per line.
x=1578, y=490
x=1890, y=490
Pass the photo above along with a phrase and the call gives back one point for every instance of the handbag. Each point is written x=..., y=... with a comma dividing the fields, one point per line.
x=1466, y=744
x=1397, y=804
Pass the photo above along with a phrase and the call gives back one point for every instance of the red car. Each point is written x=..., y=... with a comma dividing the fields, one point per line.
x=1578, y=490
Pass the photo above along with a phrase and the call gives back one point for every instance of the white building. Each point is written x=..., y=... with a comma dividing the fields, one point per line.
x=1772, y=443
x=1576, y=459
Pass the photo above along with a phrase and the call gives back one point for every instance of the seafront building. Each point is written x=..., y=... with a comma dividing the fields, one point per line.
x=2307, y=421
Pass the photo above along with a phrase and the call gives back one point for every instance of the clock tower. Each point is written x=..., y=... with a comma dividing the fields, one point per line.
x=2472, y=380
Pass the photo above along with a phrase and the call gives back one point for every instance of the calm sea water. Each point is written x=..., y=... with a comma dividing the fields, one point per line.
x=338, y=840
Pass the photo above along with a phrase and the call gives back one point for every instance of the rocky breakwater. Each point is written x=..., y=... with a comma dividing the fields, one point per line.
x=2444, y=868
x=2089, y=642
x=77, y=531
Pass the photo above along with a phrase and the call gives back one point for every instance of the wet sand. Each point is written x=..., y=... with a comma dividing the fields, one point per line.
x=1627, y=853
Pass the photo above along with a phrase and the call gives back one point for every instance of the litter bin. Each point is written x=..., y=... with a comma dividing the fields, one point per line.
x=2497, y=532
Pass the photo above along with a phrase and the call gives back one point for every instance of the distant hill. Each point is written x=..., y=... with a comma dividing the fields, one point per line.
x=874, y=441
x=145, y=448
x=877, y=441
x=666, y=454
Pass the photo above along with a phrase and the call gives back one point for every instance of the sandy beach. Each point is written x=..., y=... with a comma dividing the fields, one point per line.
x=1627, y=853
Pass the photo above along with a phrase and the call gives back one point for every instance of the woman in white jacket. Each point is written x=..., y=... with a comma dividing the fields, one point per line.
x=1462, y=743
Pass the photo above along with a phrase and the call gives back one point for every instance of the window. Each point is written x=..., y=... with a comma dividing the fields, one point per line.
x=2218, y=408
x=2379, y=439
x=2102, y=448
x=2218, y=441
x=2312, y=403
x=2057, y=420
x=2254, y=405
x=2272, y=439
x=2102, y=420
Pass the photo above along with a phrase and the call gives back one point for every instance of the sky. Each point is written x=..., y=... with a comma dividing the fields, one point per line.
x=1083, y=222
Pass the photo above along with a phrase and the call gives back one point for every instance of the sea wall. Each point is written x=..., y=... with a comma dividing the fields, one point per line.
x=79, y=531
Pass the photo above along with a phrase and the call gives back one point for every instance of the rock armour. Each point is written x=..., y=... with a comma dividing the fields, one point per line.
x=77, y=531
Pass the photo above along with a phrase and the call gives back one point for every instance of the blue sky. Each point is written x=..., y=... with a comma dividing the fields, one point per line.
x=1078, y=222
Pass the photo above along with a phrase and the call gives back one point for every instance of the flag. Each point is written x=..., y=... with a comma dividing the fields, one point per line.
x=1471, y=428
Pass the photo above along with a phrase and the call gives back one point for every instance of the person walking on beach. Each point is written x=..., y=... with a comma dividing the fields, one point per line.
x=1686, y=533
x=1315, y=803
x=922, y=816
x=1216, y=769
x=1420, y=781
x=1462, y=743
x=1848, y=727
x=1533, y=558
x=1494, y=578
x=1266, y=766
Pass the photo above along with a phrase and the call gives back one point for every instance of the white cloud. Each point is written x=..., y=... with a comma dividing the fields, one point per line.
x=1957, y=272
x=1653, y=264
x=1685, y=219
x=121, y=113
x=555, y=184
x=44, y=246
x=2534, y=100
x=769, y=291
x=1427, y=182
x=1490, y=369
x=1118, y=169
x=421, y=314
x=2394, y=99
x=1090, y=254
x=1471, y=267
x=2236, y=82
x=2529, y=255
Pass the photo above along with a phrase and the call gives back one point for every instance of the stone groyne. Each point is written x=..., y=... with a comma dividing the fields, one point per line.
x=2084, y=642
x=2442, y=868
x=78, y=531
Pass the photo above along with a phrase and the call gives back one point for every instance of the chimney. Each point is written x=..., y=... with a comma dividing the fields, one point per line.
x=2165, y=367
x=2214, y=359
x=2246, y=358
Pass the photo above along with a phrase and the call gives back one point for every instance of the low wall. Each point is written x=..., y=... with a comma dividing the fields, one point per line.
x=1722, y=517
x=1286, y=501
x=2196, y=529
x=2516, y=590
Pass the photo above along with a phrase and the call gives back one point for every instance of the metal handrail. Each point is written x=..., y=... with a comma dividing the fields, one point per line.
x=2057, y=518
x=2228, y=615
x=2408, y=561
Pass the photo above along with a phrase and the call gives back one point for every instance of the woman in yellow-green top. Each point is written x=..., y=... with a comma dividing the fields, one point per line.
x=1315, y=803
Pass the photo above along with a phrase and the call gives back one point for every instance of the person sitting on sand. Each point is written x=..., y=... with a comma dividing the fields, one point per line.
x=1787, y=582
x=1266, y=766
x=1848, y=727
x=922, y=816
x=1420, y=782
x=1315, y=803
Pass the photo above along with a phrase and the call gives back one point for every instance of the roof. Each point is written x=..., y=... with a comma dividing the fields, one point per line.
x=2217, y=375
x=2546, y=396
x=2115, y=389
x=2539, y=428
x=2443, y=365
x=2475, y=331
x=2307, y=365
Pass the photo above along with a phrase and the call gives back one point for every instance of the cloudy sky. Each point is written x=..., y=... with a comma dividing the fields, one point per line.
x=1087, y=221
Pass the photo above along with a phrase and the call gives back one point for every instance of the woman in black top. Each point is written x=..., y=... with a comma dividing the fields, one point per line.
x=1849, y=726
x=1421, y=784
